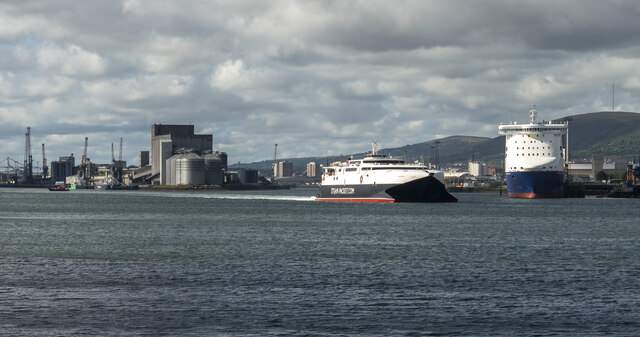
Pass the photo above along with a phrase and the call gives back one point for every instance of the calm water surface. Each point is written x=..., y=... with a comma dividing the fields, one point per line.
x=276, y=263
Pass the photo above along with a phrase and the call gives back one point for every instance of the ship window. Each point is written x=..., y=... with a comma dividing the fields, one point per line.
x=351, y=169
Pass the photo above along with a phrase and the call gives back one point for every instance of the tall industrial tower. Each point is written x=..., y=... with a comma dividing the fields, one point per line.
x=28, y=159
x=275, y=161
x=45, y=168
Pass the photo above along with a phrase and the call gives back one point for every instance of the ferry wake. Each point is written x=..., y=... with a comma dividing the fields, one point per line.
x=377, y=178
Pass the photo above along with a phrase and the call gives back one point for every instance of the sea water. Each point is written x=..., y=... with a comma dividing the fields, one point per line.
x=262, y=263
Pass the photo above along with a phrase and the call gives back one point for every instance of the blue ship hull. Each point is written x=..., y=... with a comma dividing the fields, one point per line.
x=540, y=184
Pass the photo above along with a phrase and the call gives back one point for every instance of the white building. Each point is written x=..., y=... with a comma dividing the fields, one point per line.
x=478, y=169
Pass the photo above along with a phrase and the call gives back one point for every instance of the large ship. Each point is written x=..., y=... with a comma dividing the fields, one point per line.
x=378, y=178
x=534, y=158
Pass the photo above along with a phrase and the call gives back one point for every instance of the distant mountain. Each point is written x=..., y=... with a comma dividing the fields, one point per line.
x=609, y=133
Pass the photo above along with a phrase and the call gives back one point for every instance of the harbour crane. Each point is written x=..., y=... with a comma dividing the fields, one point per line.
x=83, y=173
x=119, y=176
x=113, y=163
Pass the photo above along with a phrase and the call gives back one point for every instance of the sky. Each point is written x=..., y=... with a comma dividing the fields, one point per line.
x=316, y=77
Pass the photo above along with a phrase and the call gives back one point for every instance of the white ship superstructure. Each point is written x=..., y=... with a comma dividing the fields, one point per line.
x=534, y=158
x=377, y=178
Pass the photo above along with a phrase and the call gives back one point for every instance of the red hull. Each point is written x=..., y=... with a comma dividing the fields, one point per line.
x=356, y=199
x=533, y=195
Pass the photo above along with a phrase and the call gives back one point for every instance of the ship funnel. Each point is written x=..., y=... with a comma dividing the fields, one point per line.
x=533, y=113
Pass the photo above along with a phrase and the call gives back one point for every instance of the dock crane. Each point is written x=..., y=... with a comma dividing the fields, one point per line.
x=113, y=163
x=83, y=172
x=45, y=168
x=119, y=171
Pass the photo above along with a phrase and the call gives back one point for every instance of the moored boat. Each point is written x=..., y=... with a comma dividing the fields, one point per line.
x=534, y=158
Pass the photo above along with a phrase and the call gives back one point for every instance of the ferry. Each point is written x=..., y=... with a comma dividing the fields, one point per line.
x=534, y=158
x=378, y=178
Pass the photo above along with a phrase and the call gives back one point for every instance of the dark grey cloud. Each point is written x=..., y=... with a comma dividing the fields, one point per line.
x=316, y=77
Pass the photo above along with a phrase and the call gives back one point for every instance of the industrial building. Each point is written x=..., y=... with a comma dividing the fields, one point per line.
x=62, y=168
x=589, y=170
x=181, y=157
x=313, y=170
x=282, y=169
x=143, y=158
x=478, y=169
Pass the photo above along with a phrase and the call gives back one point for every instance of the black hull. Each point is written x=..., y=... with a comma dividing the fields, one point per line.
x=427, y=189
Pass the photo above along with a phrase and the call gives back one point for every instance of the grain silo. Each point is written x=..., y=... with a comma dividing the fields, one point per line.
x=213, y=166
x=189, y=169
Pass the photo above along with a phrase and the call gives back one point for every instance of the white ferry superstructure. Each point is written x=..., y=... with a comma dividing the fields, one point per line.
x=377, y=178
x=534, y=158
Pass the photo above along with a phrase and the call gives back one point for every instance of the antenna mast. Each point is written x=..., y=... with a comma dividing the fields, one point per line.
x=533, y=113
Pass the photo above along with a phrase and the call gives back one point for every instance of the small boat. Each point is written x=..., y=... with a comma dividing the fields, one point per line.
x=58, y=188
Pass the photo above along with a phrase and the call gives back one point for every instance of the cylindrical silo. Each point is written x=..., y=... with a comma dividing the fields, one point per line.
x=213, y=169
x=248, y=176
x=190, y=170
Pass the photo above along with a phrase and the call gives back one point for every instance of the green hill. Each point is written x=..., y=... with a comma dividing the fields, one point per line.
x=608, y=133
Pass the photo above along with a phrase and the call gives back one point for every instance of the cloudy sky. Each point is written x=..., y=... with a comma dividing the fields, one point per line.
x=316, y=77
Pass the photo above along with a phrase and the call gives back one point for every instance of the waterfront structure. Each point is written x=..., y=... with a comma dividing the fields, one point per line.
x=168, y=140
x=282, y=169
x=247, y=176
x=313, y=170
x=62, y=168
x=478, y=169
x=143, y=158
x=534, y=158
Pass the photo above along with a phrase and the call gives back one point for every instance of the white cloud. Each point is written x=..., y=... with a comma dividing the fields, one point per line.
x=316, y=76
x=70, y=60
x=139, y=88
